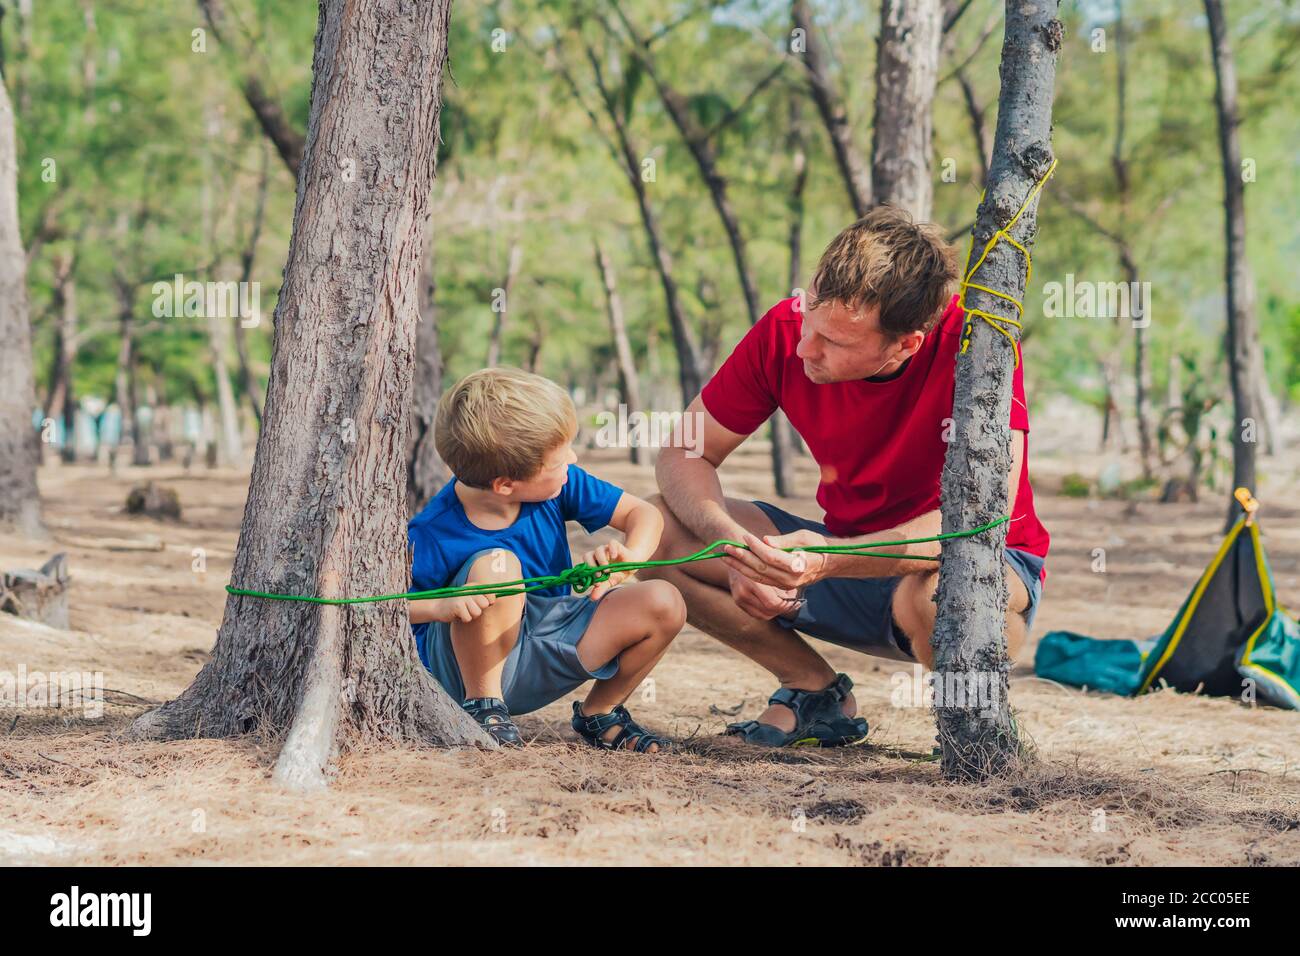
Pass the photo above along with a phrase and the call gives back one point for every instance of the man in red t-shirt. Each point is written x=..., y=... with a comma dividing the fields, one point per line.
x=864, y=371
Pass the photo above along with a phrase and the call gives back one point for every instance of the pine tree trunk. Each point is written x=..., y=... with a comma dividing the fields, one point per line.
x=20, y=503
x=326, y=505
x=629, y=383
x=426, y=472
x=969, y=636
x=907, y=69
x=1242, y=333
x=852, y=165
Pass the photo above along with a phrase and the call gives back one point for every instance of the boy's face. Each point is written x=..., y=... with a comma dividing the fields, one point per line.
x=548, y=481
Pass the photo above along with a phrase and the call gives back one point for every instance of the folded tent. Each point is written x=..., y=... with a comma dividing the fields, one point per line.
x=1228, y=638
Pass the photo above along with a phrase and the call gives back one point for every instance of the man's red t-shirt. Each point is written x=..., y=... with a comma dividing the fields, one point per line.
x=879, y=443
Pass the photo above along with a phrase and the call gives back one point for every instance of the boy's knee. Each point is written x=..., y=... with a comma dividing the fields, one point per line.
x=663, y=604
x=498, y=565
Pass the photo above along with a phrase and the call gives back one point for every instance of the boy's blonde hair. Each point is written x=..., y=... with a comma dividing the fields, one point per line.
x=501, y=423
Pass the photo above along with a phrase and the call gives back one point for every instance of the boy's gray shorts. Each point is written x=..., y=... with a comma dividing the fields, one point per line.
x=857, y=613
x=543, y=666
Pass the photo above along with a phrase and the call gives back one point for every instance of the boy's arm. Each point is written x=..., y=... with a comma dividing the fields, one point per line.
x=641, y=524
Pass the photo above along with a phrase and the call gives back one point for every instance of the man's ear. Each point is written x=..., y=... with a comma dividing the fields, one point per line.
x=503, y=486
x=910, y=343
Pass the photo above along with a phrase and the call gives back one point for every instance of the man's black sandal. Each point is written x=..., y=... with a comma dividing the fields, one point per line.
x=491, y=714
x=819, y=719
x=591, y=728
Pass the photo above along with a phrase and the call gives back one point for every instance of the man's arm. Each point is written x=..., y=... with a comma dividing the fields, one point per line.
x=765, y=562
x=690, y=484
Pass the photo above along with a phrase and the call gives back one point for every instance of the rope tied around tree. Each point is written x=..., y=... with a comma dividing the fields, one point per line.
x=583, y=577
x=1000, y=323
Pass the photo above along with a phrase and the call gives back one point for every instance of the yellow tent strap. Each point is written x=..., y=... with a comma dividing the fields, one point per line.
x=999, y=322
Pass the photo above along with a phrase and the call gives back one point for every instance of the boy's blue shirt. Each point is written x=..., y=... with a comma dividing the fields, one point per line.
x=442, y=538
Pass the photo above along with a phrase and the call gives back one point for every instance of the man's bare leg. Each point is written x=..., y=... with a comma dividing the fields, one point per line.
x=915, y=612
x=711, y=608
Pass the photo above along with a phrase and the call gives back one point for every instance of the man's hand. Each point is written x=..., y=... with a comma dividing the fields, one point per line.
x=761, y=601
x=765, y=563
x=611, y=553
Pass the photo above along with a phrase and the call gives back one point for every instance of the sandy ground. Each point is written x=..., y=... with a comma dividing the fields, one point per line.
x=1165, y=779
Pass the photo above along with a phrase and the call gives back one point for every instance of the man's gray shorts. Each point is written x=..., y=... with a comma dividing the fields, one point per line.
x=857, y=613
x=543, y=666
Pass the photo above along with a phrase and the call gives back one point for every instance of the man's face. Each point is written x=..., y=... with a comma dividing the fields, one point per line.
x=838, y=344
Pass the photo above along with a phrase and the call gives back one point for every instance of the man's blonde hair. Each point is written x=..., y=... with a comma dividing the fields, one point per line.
x=501, y=423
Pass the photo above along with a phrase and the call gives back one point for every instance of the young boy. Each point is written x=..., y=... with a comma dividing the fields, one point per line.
x=506, y=436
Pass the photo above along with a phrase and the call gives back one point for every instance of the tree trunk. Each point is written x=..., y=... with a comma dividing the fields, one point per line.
x=515, y=260
x=850, y=162
x=326, y=504
x=62, y=403
x=1242, y=334
x=797, y=146
x=969, y=635
x=629, y=383
x=270, y=116
x=231, y=445
x=907, y=69
x=702, y=150
x=690, y=369
x=20, y=503
x=426, y=472
x=246, y=383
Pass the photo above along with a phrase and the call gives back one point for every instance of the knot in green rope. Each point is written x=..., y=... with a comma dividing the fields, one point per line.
x=582, y=577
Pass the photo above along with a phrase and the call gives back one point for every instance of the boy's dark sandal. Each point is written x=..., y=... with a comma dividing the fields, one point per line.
x=592, y=728
x=492, y=716
x=819, y=720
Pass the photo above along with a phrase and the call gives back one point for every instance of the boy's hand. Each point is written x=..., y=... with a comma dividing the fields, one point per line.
x=610, y=553
x=466, y=608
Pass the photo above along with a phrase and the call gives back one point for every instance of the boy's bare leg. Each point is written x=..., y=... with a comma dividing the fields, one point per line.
x=482, y=646
x=915, y=612
x=634, y=623
x=711, y=608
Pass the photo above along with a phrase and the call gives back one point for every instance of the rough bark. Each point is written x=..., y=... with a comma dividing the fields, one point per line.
x=969, y=636
x=629, y=383
x=907, y=69
x=326, y=505
x=1242, y=335
x=426, y=472
x=853, y=168
x=20, y=505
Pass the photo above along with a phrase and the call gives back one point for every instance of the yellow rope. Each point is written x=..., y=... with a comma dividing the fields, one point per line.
x=999, y=322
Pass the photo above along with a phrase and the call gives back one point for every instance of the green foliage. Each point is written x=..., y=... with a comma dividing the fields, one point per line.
x=158, y=159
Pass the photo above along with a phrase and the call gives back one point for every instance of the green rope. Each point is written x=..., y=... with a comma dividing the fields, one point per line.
x=583, y=577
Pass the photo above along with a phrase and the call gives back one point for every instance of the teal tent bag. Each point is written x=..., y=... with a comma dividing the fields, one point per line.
x=1272, y=658
x=1229, y=639
x=1113, y=666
